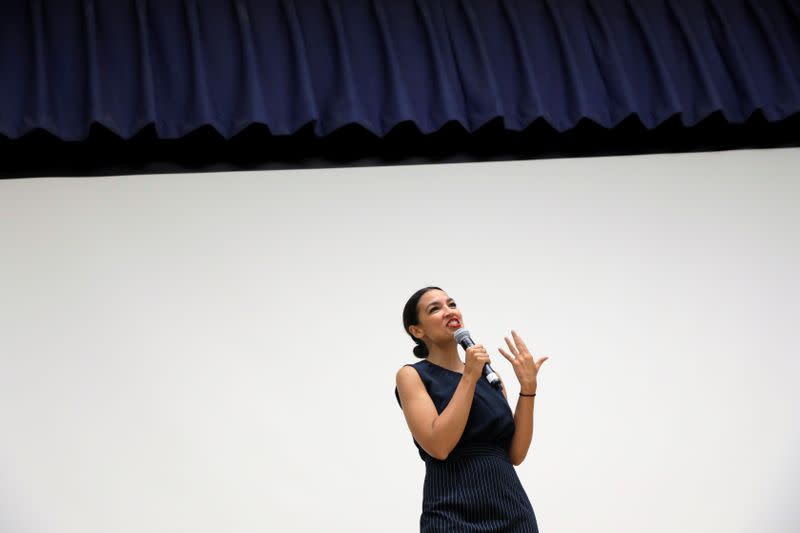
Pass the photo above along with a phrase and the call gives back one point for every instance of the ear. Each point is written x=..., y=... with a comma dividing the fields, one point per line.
x=416, y=331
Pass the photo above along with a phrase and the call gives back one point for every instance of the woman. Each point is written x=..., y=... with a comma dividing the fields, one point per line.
x=463, y=426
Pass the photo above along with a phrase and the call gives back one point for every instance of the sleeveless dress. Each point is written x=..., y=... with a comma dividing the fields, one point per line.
x=476, y=488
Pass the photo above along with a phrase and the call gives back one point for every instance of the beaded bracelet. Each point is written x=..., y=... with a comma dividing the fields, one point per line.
x=528, y=395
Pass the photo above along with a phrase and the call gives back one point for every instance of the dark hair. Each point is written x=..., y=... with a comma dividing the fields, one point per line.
x=411, y=318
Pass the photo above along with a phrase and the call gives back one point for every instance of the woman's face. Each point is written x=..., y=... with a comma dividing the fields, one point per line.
x=438, y=317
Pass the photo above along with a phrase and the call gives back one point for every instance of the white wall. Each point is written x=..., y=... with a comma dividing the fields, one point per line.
x=216, y=352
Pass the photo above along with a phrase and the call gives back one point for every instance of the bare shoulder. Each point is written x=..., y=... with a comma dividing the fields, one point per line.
x=409, y=385
x=407, y=376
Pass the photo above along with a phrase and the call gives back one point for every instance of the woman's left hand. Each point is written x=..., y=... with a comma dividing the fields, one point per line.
x=524, y=365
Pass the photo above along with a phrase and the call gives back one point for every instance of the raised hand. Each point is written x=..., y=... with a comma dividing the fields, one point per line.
x=525, y=367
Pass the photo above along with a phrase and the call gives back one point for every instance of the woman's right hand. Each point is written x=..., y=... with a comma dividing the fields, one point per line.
x=474, y=361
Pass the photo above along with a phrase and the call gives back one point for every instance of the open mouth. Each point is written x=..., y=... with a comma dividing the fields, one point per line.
x=454, y=323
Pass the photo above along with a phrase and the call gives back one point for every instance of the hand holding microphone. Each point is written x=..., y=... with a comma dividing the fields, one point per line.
x=477, y=359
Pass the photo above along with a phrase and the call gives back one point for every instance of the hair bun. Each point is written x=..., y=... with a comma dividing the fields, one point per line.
x=421, y=351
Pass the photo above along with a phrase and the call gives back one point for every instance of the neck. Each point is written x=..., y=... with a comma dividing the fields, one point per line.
x=445, y=355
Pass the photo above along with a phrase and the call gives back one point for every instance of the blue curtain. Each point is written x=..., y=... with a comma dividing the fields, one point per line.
x=183, y=64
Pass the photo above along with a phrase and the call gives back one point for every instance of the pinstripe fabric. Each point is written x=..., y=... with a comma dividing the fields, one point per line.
x=476, y=488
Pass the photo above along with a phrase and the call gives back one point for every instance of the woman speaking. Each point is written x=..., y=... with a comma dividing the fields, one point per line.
x=463, y=426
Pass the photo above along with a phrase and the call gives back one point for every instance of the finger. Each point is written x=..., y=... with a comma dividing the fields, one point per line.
x=542, y=360
x=511, y=347
x=519, y=341
x=507, y=356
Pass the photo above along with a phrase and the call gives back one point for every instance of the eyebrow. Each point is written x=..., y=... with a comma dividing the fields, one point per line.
x=436, y=303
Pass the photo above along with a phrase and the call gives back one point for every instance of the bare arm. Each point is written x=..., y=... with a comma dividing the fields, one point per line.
x=439, y=433
x=527, y=370
x=523, y=426
x=523, y=433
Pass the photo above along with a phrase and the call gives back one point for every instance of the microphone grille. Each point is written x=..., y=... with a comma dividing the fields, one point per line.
x=461, y=334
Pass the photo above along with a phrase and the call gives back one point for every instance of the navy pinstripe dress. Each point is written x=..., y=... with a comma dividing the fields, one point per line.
x=476, y=488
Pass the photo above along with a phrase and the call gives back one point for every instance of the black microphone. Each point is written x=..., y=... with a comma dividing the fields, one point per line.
x=462, y=337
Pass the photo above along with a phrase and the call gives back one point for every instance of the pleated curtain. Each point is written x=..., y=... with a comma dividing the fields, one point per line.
x=184, y=64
